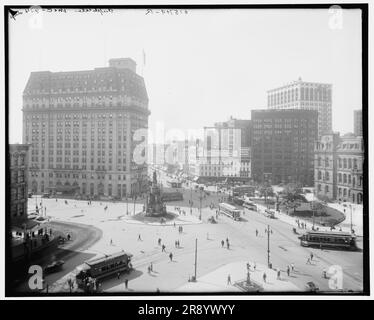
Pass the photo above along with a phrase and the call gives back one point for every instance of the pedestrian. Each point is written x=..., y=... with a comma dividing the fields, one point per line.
x=149, y=269
x=222, y=243
x=176, y=243
x=151, y=266
x=126, y=283
x=228, y=279
x=288, y=270
x=228, y=245
x=292, y=267
x=163, y=248
x=118, y=275
x=171, y=256
x=311, y=256
x=111, y=242
x=256, y=232
x=264, y=276
x=308, y=261
x=159, y=241
x=279, y=274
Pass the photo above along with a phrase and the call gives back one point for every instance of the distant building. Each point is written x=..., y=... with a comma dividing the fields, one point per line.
x=226, y=151
x=325, y=167
x=81, y=128
x=339, y=167
x=283, y=146
x=357, y=123
x=18, y=159
x=305, y=95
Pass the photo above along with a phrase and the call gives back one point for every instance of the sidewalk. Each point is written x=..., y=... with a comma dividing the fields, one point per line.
x=345, y=225
x=216, y=281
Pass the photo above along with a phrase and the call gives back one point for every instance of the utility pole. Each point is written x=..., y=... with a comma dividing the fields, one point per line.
x=127, y=204
x=201, y=199
x=351, y=218
x=268, y=229
x=195, y=259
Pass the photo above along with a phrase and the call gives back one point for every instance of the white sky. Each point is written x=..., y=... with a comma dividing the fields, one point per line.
x=201, y=67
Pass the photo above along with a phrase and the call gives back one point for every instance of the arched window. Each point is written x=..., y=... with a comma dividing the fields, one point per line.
x=359, y=198
x=340, y=177
x=345, y=163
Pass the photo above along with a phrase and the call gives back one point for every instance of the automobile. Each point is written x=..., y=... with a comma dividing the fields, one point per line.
x=46, y=195
x=55, y=266
x=311, y=287
x=30, y=195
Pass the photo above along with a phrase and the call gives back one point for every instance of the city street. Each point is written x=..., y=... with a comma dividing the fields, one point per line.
x=123, y=231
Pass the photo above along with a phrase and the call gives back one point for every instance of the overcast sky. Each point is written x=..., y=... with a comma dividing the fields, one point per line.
x=201, y=67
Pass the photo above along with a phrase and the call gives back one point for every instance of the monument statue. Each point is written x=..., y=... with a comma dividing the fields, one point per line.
x=155, y=206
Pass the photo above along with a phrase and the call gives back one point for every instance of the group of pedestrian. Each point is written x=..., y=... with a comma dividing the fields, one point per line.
x=301, y=225
x=177, y=244
x=227, y=243
x=180, y=229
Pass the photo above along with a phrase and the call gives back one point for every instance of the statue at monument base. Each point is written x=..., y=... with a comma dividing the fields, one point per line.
x=154, y=205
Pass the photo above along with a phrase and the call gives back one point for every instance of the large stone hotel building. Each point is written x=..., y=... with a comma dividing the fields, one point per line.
x=305, y=95
x=80, y=126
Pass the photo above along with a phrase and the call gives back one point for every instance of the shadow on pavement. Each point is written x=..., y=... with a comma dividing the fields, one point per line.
x=113, y=281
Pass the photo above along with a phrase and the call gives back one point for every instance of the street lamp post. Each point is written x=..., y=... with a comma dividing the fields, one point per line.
x=268, y=231
x=201, y=199
x=195, y=259
x=350, y=205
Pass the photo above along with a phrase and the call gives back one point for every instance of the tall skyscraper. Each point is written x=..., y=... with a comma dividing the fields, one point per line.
x=305, y=95
x=81, y=128
x=357, y=124
x=283, y=146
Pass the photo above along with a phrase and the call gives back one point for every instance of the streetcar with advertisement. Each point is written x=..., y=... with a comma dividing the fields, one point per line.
x=229, y=210
x=102, y=267
x=328, y=239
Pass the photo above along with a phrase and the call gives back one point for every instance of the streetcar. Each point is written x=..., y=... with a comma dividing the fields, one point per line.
x=250, y=205
x=229, y=210
x=99, y=268
x=327, y=239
